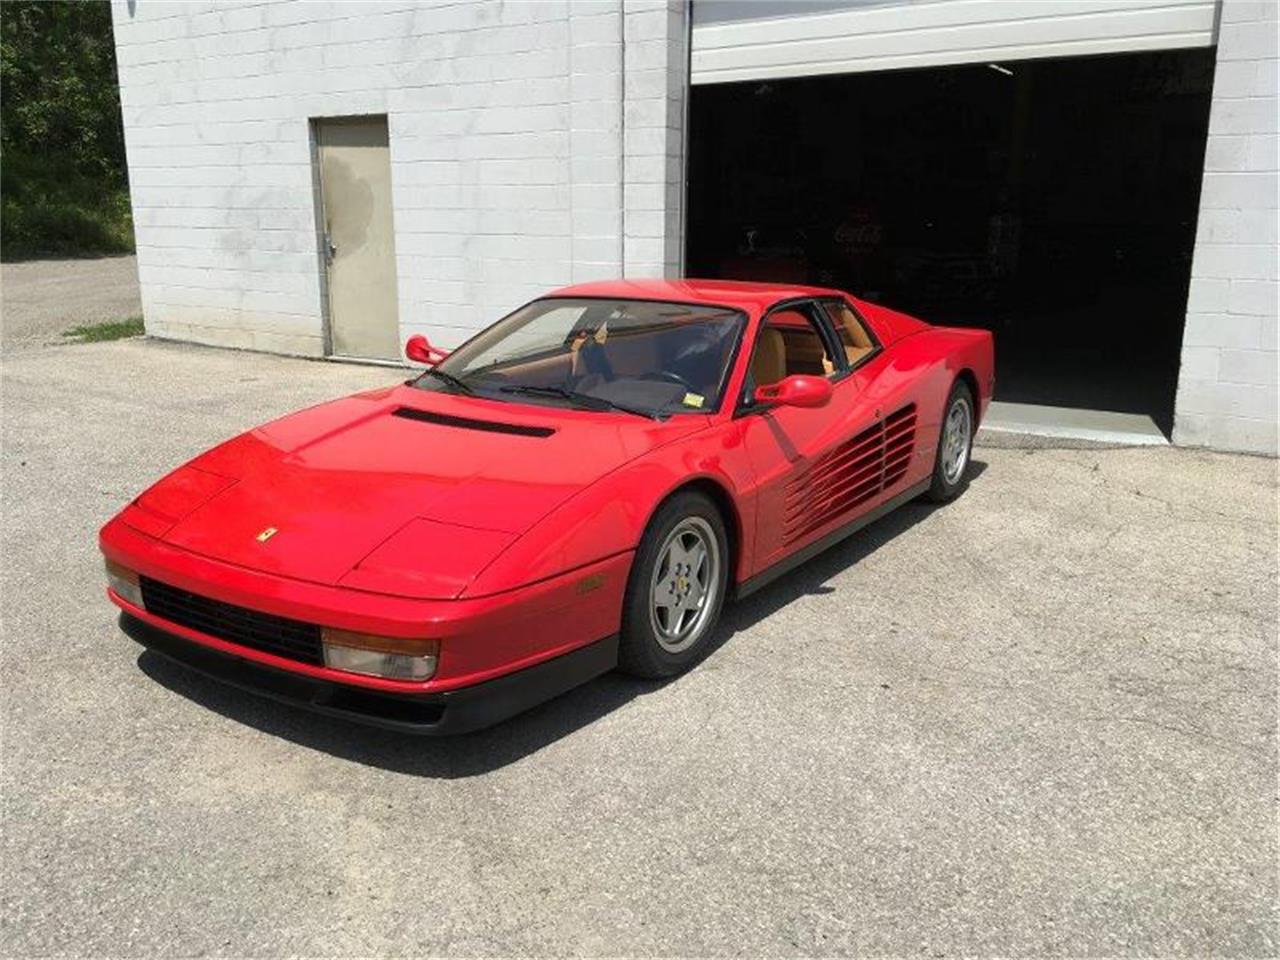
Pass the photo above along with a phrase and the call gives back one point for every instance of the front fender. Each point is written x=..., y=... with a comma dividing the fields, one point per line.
x=609, y=517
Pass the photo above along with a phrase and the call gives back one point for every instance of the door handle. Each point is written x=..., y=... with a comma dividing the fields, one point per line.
x=329, y=249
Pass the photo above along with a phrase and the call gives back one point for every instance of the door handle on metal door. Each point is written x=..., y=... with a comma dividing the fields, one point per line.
x=329, y=249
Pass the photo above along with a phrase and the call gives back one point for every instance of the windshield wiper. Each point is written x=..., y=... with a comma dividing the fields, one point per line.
x=448, y=378
x=586, y=400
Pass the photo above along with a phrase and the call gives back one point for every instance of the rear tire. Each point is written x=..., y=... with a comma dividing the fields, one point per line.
x=676, y=588
x=955, y=445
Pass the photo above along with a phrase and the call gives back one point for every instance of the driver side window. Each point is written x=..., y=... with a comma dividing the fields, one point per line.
x=790, y=342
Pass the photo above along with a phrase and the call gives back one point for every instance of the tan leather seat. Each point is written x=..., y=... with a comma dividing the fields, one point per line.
x=854, y=332
x=857, y=344
x=855, y=353
x=769, y=364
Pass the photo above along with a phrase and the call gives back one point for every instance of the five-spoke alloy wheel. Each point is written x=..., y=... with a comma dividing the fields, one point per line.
x=676, y=588
x=955, y=444
x=684, y=584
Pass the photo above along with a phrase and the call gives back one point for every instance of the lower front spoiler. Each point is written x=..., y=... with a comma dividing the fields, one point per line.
x=433, y=714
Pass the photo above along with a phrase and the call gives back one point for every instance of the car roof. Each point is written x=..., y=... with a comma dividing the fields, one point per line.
x=730, y=293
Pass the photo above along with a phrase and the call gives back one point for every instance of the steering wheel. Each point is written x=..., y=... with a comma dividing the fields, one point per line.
x=668, y=376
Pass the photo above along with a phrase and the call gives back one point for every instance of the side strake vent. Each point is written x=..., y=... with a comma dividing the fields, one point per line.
x=467, y=423
x=853, y=473
x=899, y=443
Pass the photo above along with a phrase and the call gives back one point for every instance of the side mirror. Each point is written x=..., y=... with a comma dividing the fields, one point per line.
x=419, y=349
x=800, y=390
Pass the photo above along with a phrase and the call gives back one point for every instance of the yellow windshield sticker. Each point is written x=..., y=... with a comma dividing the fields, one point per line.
x=693, y=399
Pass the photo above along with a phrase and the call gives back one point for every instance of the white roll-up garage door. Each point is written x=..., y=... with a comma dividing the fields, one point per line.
x=758, y=39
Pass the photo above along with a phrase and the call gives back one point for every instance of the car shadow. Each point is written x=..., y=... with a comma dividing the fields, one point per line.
x=473, y=754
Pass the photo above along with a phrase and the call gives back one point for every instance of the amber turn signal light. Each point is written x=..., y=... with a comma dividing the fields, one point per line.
x=393, y=658
x=124, y=583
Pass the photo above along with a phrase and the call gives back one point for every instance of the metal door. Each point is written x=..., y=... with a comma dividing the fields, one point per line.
x=358, y=237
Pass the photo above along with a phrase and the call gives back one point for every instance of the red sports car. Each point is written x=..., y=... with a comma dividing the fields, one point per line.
x=579, y=487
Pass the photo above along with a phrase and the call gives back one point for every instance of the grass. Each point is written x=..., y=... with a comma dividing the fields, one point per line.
x=107, y=330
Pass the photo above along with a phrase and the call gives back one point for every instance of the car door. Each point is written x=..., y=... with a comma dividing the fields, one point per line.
x=784, y=443
x=888, y=382
x=818, y=469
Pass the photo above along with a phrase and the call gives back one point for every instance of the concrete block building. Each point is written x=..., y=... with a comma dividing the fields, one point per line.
x=1094, y=180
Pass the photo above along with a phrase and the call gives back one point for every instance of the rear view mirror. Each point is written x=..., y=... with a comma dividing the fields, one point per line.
x=419, y=349
x=800, y=390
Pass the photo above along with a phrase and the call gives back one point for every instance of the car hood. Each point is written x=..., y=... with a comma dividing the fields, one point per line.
x=401, y=491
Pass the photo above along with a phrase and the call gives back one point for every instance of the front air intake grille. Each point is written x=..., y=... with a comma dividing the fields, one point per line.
x=249, y=628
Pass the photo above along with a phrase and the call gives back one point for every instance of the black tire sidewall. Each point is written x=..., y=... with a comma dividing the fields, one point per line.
x=639, y=652
x=940, y=490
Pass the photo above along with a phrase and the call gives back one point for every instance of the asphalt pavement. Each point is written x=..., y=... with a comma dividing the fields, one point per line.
x=40, y=300
x=1039, y=720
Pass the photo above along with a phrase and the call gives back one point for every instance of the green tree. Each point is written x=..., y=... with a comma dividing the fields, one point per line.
x=63, y=180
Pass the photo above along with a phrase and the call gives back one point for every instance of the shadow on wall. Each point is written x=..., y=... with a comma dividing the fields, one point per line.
x=486, y=750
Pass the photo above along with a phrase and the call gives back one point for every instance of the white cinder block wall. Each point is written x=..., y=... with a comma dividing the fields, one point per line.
x=1227, y=387
x=540, y=142
x=533, y=143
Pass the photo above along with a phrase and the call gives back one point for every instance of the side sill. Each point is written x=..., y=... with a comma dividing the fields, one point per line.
x=789, y=563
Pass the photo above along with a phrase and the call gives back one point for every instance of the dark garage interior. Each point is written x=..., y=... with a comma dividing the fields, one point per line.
x=1051, y=201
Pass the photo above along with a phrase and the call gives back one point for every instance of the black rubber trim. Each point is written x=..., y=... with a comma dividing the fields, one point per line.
x=431, y=714
x=466, y=423
x=789, y=563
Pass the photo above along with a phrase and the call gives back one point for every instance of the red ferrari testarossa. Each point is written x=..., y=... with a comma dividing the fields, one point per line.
x=579, y=487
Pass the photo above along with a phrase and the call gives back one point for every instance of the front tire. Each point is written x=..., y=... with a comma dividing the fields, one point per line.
x=955, y=445
x=676, y=588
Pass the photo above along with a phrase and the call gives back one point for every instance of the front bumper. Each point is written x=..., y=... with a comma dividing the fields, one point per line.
x=482, y=638
x=438, y=713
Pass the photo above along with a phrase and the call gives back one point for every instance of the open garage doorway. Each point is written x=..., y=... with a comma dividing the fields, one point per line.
x=1051, y=201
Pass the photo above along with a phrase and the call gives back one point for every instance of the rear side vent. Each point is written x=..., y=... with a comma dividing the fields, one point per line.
x=850, y=475
x=466, y=423
x=899, y=444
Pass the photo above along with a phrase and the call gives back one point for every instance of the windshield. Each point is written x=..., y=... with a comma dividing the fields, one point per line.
x=640, y=356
